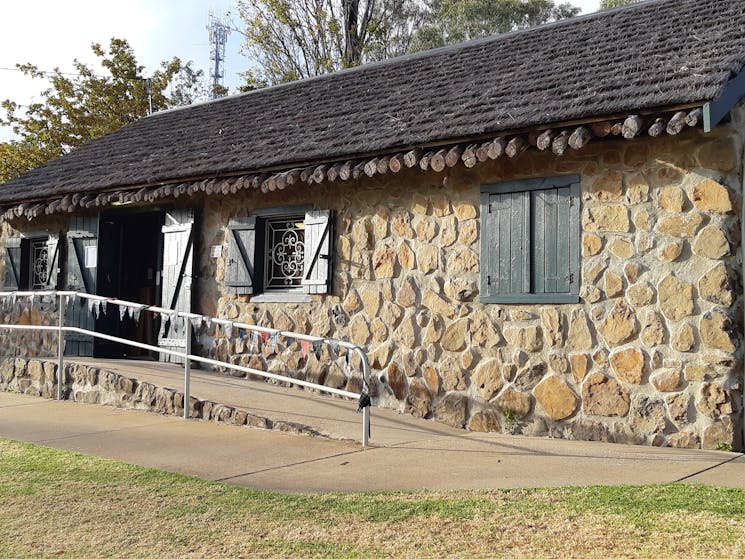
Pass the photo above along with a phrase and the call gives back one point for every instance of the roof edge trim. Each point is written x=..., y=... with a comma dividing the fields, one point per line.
x=716, y=110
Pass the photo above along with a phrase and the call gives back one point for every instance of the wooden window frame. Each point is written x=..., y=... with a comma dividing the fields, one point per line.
x=530, y=295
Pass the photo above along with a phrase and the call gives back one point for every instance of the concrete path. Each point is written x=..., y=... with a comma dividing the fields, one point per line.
x=418, y=455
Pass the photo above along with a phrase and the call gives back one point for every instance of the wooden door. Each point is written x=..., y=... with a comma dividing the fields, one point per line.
x=176, y=278
x=82, y=268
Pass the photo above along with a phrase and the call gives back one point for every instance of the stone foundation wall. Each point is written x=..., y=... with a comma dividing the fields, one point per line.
x=93, y=385
x=650, y=355
x=29, y=343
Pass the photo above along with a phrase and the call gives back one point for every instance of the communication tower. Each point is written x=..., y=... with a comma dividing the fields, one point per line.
x=218, y=33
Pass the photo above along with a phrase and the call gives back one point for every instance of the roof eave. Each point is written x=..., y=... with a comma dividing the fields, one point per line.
x=731, y=94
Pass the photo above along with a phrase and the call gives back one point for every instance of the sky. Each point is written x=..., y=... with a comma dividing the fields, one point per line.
x=52, y=33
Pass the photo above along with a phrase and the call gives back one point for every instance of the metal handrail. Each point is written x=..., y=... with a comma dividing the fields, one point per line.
x=186, y=355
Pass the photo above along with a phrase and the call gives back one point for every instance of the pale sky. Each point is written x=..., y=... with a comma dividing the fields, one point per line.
x=51, y=33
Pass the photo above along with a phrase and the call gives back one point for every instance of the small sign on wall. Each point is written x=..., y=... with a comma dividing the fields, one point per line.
x=91, y=256
x=216, y=251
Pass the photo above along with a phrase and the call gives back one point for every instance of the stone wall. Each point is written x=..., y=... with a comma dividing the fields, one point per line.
x=94, y=385
x=650, y=355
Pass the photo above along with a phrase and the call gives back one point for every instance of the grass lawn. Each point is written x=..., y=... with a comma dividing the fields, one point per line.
x=61, y=504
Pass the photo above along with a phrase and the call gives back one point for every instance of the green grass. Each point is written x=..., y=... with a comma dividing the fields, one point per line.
x=55, y=503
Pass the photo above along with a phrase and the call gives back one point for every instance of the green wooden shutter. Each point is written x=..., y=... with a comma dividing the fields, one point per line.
x=317, y=257
x=82, y=273
x=555, y=216
x=507, y=241
x=12, y=264
x=240, y=271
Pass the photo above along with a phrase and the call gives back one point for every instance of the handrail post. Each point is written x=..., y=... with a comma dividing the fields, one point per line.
x=365, y=409
x=187, y=368
x=61, y=345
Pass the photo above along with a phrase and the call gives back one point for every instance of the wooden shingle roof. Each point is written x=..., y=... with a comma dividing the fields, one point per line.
x=656, y=56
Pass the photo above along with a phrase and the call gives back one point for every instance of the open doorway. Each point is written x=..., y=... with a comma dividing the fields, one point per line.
x=129, y=264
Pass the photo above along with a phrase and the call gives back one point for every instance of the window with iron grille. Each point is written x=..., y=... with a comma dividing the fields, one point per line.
x=31, y=263
x=280, y=251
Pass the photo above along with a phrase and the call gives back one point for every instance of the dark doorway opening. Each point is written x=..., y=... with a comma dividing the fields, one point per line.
x=129, y=264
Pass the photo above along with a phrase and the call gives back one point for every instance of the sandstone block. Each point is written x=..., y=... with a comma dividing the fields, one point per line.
x=556, y=398
x=602, y=395
x=642, y=220
x=426, y=230
x=488, y=379
x=713, y=400
x=419, y=399
x=719, y=155
x=553, y=328
x=530, y=376
x=427, y=258
x=608, y=218
x=391, y=314
x=671, y=199
x=622, y=248
x=641, y=294
x=632, y=271
x=628, y=365
x=401, y=225
x=514, y=402
x=684, y=339
x=452, y=410
x=653, y=330
x=462, y=260
x=359, y=330
x=608, y=186
x=580, y=364
x=469, y=232
x=647, y=416
x=715, y=286
x=637, y=189
x=484, y=421
x=406, y=256
x=431, y=379
x=396, y=380
x=441, y=205
x=676, y=298
x=558, y=363
x=620, y=324
x=579, y=337
x=671, y=251
x=465, y=210
x=667, y=380
x=712, y=243
x=681, y=226
x=710, y=196
x=529, y=338
x=484, y=333
x=591, y=244
x=613, y=284
x=719, y=433
x=677, y=407
x=448, y=231
x=716, y=331
x=384, y=261
x=454, y=337
x=684, y=439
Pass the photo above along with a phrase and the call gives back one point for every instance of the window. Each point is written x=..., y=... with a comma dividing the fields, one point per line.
x=31, y=263
x=280, y=254
x=530, y=237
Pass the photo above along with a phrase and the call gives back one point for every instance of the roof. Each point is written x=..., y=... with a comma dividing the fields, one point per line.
x=661, y=54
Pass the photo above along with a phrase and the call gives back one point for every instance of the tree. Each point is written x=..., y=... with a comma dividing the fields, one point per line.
x=296, y=39
x=79, y=108
x=455, y=21
x=608, y=4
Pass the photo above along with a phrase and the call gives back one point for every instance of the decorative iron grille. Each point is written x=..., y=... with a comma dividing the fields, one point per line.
x=39, y=272
x=285, y=243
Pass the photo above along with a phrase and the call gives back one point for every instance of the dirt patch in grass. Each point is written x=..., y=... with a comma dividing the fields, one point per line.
x=60, y=504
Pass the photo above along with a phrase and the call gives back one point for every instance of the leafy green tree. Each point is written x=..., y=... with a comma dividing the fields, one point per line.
x=294, y=39
x=608, y=4
x=78, y=108
x=455, y=21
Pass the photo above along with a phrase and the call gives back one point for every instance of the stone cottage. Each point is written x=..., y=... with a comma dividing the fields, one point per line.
x=534, y=233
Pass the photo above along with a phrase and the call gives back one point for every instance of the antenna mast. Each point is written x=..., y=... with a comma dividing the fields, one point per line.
x=218, y=33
